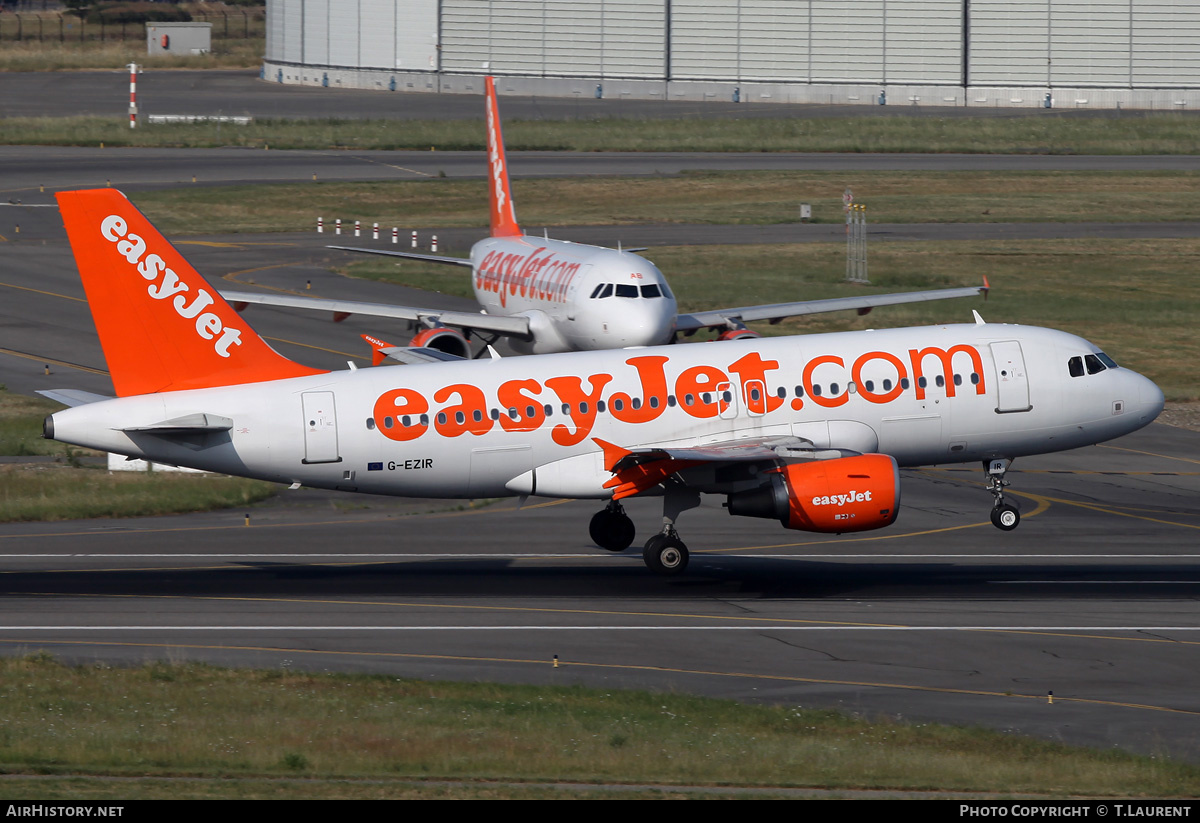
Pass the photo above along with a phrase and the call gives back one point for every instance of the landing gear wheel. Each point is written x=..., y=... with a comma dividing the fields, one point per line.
x=665, y=554
x=1005, y=517
x=611, y=529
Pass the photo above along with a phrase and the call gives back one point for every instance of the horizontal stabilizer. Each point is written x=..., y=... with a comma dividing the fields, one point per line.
x=199, y=423
x=73, y=397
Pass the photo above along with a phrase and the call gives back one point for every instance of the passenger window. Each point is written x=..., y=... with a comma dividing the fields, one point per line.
x=617, y=405
x=869, y=385
x=887, y=385
x=1075, y=366
x=654, y=402
x=904, y=384
x=799, y=391
x=387, y=422
x=816, y=390
x=940, y=380
x=958, y=379
x=371, y=424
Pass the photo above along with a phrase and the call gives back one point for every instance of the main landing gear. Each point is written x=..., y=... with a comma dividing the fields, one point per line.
x=665, y=553
x=611, y=528
x=1004, y=516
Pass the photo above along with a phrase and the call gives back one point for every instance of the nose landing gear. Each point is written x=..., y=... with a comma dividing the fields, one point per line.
x=1004, y=516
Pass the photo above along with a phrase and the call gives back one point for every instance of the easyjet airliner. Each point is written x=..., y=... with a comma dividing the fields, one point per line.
x=810, y=431
x=554, y=296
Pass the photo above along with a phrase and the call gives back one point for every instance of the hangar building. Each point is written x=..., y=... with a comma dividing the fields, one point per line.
x=1063, y=53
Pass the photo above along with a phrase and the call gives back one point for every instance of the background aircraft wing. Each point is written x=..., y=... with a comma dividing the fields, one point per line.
x=428, y=258
x=509, y=326
x=778, y=311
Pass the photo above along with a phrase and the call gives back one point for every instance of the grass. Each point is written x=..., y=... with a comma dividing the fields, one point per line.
x=195, y=720
x=1137, y=299
x=21, y=425
x=1025, y=133
x=739, y=198
x=48, y=492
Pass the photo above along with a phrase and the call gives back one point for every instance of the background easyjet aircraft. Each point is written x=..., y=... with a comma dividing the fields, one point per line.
x=555, y=296
x=807, y=430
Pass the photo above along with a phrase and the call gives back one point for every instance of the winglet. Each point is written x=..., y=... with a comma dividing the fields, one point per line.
x=378, y=355
x=986, y=287
x=504, y=219
x=612, y=453
x=161, y=325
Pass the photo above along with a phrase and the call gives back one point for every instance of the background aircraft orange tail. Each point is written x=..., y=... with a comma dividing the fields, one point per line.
x=162, y=326
x=504, y=219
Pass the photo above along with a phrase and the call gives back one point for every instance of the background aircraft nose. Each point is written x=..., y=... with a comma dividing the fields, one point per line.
x=1151, y=397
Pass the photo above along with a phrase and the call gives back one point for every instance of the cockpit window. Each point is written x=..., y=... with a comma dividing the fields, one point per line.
x=596, y=291
x=1075, y=366
x=603, y=290
x=625, y=290
x=651, y=291
x=1106, y=360
x=1094, y=365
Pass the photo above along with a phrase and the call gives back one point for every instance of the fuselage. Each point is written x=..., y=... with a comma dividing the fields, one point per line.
x=578, y=297
x=925, y=395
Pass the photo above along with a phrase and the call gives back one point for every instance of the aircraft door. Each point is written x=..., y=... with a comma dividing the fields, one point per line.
x=320, y=428
x=1012, y=383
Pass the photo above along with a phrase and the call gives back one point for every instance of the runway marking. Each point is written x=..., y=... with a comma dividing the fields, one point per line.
x=775, y=678
x=391, y=165
x=51, y=361
x=1106, y=509
x=1151, y=454
x=1042, y=506
x=1049, y=630
x=40, y=291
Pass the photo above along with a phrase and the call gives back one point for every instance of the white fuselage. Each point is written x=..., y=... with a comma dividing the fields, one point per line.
x=577, y=297
x=527, y=425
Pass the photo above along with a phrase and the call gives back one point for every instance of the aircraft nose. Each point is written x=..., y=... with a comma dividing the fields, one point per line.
x=648, y=323
x=1151, y=398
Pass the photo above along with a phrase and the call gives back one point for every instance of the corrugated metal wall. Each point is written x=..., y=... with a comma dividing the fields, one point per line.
x=1039, y=43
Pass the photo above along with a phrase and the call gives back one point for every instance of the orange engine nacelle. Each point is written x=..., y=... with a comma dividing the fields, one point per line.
x=737, y=334
x=845, y=494
x=443, y=339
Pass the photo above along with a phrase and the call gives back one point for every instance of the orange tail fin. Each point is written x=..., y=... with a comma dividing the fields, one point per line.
x=162, y=327
x=504, y=219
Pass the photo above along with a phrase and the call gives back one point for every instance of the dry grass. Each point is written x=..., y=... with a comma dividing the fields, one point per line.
x=165, y=719
x=719, y=198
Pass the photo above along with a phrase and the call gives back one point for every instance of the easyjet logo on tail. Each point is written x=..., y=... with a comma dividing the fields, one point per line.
x=166, y=285
x=504, y=221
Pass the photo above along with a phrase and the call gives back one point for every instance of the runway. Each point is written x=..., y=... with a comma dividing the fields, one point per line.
x=938, y=618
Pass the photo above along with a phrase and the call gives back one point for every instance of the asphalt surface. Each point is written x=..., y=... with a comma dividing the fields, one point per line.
x=241, y=92
x=938, y=618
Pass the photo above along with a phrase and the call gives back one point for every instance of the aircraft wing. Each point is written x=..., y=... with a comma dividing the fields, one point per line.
x=428, y=258
x=638, y=469
x=516, y=326
x=778, y=311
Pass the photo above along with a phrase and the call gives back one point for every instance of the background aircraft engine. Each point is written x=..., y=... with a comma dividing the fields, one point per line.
x=737, y=334
x=845, y=494
x=443, y=339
